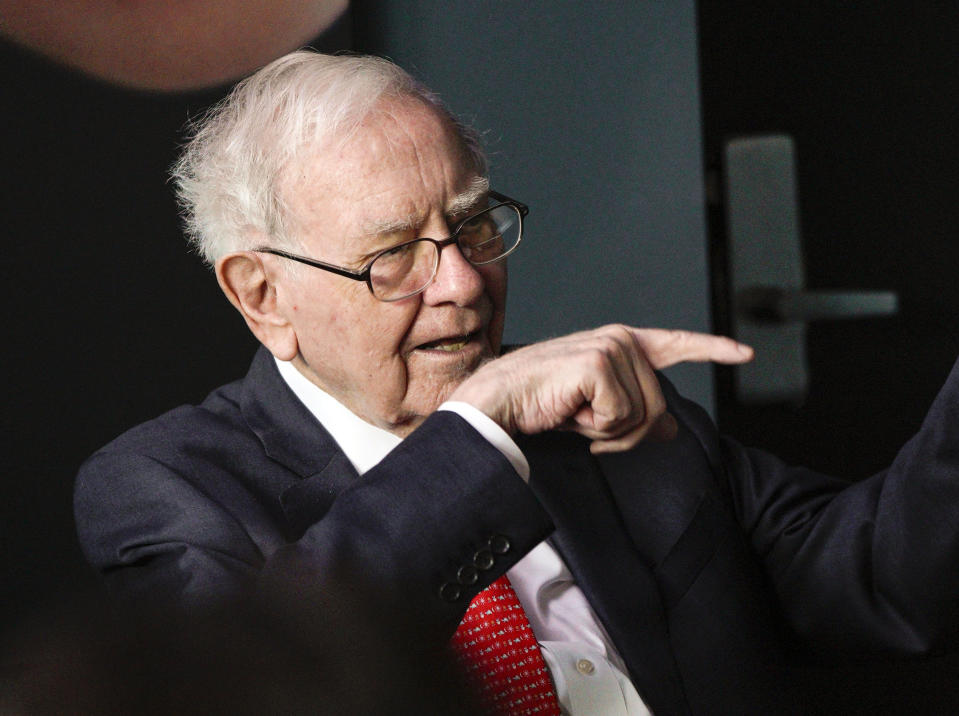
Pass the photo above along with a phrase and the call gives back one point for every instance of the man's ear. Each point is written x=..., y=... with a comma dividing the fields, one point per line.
x=250, y=287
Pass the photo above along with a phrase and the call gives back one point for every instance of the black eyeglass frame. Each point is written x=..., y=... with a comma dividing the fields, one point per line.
x=364, y=274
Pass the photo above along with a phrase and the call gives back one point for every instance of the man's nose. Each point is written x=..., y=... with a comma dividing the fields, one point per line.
x=457, y=280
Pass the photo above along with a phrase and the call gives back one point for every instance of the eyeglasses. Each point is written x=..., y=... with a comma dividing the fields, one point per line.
x=408, y=268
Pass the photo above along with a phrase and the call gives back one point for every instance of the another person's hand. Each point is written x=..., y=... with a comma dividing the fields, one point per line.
x=598, y=383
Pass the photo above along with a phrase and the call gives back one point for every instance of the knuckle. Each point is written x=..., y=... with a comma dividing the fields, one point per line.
x=611, y=341
x=598, y=358
x=619, y=412
x=655, y=406
x=622, y=412
x=619, y=333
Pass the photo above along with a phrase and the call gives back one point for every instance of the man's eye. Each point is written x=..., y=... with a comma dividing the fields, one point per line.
x=397, y=250
x=478, y=230
x=398, y=255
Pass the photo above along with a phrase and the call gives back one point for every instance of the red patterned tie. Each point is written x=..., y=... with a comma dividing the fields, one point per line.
x=496, y=647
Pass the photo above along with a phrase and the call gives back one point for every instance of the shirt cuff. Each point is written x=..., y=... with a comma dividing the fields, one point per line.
x=494, y=434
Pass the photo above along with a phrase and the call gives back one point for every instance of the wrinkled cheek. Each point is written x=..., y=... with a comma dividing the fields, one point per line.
x=386, y=385
x=496, y=283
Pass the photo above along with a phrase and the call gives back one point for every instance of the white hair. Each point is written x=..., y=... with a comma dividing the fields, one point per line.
x=227, y=175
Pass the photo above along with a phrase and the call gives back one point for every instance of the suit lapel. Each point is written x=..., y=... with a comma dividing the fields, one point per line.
x=293, y=437
x=619, y=585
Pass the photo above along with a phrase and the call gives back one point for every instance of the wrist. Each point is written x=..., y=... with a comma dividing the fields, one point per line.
x=484, y=398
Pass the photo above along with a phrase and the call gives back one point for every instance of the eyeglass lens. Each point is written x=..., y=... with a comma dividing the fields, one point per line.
x=409, y=268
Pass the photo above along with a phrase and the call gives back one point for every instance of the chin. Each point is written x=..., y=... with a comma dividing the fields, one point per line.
x=406, y=420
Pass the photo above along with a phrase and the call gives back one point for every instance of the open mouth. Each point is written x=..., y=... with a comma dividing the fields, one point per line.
x=449, y=345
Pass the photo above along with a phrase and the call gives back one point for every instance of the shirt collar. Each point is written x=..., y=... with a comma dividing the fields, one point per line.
x=363, y=444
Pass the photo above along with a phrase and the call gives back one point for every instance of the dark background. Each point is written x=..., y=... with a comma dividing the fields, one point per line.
x=871, y=98
x=111, y=320
x=108, y=316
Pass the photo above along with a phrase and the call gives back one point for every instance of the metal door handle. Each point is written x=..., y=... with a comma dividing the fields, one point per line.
x=771, y=304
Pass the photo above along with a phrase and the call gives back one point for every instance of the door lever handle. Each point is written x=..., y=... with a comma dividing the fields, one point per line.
x=774, y=305
x=770, y=308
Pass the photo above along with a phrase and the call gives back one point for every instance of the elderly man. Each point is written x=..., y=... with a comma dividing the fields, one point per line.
x=380, y=435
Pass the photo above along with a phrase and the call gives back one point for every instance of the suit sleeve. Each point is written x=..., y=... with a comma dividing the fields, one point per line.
x=871, y=565
x=441, y=517
x=432, y=525
x=156, y=536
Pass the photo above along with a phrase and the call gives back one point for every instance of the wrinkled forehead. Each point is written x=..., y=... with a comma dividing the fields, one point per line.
x=388, y=126
x=402, y=161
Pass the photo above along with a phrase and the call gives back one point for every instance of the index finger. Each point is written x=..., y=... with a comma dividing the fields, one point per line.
x=664, y=348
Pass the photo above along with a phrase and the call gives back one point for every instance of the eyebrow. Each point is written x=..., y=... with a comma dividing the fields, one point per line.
x=458, y=204
x=477, y=189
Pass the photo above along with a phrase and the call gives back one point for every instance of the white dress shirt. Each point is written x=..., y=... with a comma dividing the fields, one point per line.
x=588, y=673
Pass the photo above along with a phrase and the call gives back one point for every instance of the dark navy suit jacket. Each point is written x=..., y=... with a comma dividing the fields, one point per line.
x=714, y=568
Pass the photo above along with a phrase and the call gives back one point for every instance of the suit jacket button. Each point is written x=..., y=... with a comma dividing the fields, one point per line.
x=450, y=592
x=499, y=544
x=483, y=559
x=467, y=574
